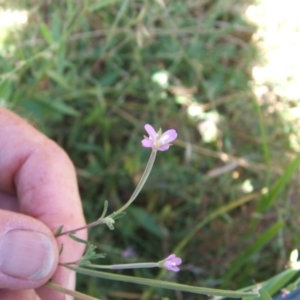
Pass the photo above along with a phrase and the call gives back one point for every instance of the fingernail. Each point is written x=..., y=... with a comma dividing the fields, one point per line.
x=26, y=254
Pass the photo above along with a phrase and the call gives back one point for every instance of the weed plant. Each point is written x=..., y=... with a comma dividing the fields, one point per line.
x=90, y=74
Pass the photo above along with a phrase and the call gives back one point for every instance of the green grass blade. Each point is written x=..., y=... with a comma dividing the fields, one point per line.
x=215, y=214
x=102, y=4
x=46, y=33
x=278, y=282
x=59, y=79
x=263, y=137
x=254, y=248
x=264, y=295
x=269, y=198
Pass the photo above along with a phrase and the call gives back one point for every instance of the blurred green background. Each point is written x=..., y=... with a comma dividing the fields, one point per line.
x=90, y=74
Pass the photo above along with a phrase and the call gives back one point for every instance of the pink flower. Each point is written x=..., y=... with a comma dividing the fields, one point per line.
x=128, y=252
x=157, y=140
x=171, y=263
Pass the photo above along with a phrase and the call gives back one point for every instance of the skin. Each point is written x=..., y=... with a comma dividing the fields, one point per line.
x=38, y=191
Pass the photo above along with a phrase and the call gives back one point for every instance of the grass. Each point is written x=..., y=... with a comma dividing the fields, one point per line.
x=90, y=74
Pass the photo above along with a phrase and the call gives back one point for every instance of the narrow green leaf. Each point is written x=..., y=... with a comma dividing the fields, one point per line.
x=104, y=209
x=56, y=25
x=267, y=200
x=6, y=91
x=59, y=230
x=213, y=215
x=272, y=285
x=59, y=79
x=278, y=282
x=6, y=67
x=46, y=33
x=254, y=248
x=264, y=295
x=77, y=239
x=59, y=107
x=264, y=142
x=102, y=4
x=61, y=249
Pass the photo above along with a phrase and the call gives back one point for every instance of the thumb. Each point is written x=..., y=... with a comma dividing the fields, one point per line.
x=28, y=251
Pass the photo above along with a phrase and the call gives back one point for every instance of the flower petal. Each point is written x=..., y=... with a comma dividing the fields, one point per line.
x=164, y=147
x=168, y=136
x=171, y=266
x=172, y=262
x=174, y=269
x=158, y=141
x=147, y=143
x=177, y=260
x=150, y=130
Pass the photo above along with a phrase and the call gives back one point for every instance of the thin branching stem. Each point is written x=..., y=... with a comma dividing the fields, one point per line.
x=141, y=182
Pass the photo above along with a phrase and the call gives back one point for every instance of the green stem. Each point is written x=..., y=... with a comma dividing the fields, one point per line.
x=95, y=223
x=124, y=266
x=140, y=184
x=66, y=291
x=264, y=142
x=163, y=284
x=215, y=214
x=132, y=198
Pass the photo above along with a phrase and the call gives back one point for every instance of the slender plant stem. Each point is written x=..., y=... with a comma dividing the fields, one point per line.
x=123, y=266
x=132, y=198
x=76, y=295
x=217, y=213
x=140, y=184
x=95, y=223
x=163, y=284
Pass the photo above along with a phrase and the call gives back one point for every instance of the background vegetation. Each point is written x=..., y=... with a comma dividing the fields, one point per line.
x=90, y=74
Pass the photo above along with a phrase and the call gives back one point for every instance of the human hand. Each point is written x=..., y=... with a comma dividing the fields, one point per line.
x=38, y=194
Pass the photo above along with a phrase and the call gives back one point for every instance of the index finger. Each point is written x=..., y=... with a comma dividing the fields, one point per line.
x=42, y=177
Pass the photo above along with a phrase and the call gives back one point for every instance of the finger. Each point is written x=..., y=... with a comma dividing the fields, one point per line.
x=19, y=295
x=28, y=251
x=51, y=196
x=9, y=202
x=43, y=178
x=43, y=292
